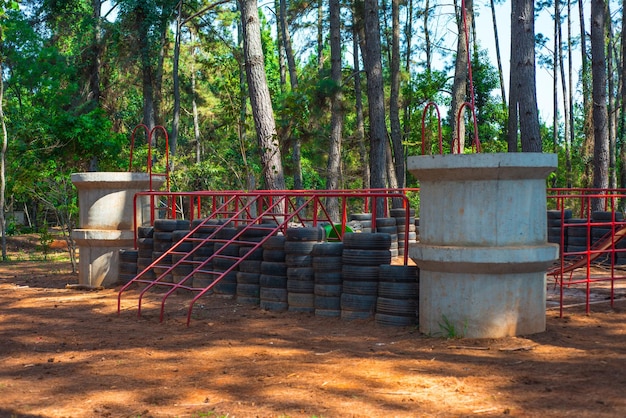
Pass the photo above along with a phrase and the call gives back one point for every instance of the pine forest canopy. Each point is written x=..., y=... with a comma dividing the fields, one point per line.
x=310, y=95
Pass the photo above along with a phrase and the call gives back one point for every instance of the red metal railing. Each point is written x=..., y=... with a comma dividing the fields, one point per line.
x=599, y=261
x=248, y=210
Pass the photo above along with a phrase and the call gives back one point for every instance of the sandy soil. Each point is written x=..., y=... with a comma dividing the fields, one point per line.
x=67, y=353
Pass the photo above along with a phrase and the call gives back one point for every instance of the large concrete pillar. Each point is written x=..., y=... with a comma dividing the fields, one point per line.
x=483, y=249
x=105, y=202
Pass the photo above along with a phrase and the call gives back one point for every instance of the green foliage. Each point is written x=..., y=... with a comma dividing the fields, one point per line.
x=45, y=240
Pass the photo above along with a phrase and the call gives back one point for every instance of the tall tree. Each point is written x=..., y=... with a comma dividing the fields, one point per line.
x=394, y=99
x=260, y=99
x=464, y=18
x=376, y=97
x=600, y=116
x=523, y=113
x=336, y=121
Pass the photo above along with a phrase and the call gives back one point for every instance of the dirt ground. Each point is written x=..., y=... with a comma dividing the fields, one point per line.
x=67, y=353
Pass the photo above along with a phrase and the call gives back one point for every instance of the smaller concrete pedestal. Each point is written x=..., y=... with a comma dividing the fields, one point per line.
x=483, y=252
x=106, y=221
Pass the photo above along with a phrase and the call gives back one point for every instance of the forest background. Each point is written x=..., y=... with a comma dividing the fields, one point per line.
x=296, y=94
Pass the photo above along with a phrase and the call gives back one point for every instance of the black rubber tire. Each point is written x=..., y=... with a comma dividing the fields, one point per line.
x=145, y=243
x=273, y=306
x=273, y=294
x=248, y=278
x=394, y=321
x=577, y=242
x=145, y=232
x=298, y=260
x=300, y=286
x=182, y=246
x=251, y=254
x=398, y=273
x=360, y=288
x=299, y=247
x=359, y=273
x=306, y=300
x=327, y=249
x=273, y=282
x=327, y=290
x=577, y=231
x=274, y=243
x=328, y=313
x=257, y=230
x=179, y=234
x=398, y=290
x=401, y=212
x=328, y=302
x=274, y=268
x=226, y=249
x=350, y=315
x=248, y=290
x=331, y=263
x=352, y=302
x=225, y=288
x=399, y=307
x=366, y=241
x=556, y=214
x=274, y=255
x=607, y=216
x=315, y=233
x=366, y=257
x=162, y=236
x=250, y=266
x=360, y=216
x=165, y=225
x=300, y=273
x=391, y=230
x=328, y=277
x=382, y=222
x=127, y=267
x=128, y=255
x=223, y=264
x=201, y=282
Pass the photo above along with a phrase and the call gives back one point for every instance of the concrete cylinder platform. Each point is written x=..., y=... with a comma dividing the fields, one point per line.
x=483, y=249
x=105, y=201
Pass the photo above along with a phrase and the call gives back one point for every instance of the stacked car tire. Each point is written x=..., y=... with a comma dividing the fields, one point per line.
x=398, y=295
x=299, y=245
x=327, y=262
x=249, y=269
x=273, y=278
x=362, y=255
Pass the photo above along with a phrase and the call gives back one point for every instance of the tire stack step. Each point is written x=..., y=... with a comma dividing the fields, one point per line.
x=601, y=231
x=299, y=245
x=145, y=247
x=181, y=272
x=362, y=255
x=555, y=221
x=225, y=258
x=127, y=265
x=389, y=226
x=400, y=216
x=327, y=264
x=249, y=269
x=204, y=276
x=398, y=296
x=273, y=278
x=162, y=241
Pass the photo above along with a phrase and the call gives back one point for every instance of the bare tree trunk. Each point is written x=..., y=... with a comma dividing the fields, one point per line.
x=282, y=68
x=260, y=99
x=3, y=152
x=408, y=97
x=600, y=117
x=461, y=71
x=569, y=140
x=523, y=90
x=376, y=96
x=612, y=100
x=242, y=134
x=336, y=121
x=498, y=58
x=173, y=140
x=358, y=95
x=587, y=109
x=194, y=105
x=320, y=35
x=394, y=100
x=146, y=66
x=555, y=78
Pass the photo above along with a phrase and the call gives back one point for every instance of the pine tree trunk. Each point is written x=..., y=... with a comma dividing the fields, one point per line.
x=358, y=100
x=599, y=85
x=376, y=97
x=459, y=87
x=336, y=121
x=394, y=100
x=260, y=99
x=523, y=90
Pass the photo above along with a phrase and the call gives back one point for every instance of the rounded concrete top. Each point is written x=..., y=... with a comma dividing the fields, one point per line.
x=500, y=166
x=112, y=179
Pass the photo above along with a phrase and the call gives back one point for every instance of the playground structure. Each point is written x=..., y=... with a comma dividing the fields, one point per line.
x=592, y=247
x=260, y=215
